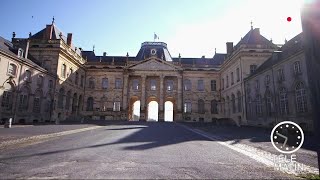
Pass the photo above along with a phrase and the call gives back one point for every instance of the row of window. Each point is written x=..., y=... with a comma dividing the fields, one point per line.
x=236, y=103
x=105, y=83
x=232, y=79
x=70, y=74
x=90, y=102
x=76, y=101
x=187, y=107
x=300, y=102
x=280, y=75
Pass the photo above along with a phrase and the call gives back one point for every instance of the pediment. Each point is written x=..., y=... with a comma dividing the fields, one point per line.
x=154, y=65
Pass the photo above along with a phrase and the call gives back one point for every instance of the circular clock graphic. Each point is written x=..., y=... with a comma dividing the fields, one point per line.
x=153, y=51
x=287, y=137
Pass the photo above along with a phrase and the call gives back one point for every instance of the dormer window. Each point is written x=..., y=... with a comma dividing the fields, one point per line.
x=20, y=53
x=27, y=77
x=153, y=52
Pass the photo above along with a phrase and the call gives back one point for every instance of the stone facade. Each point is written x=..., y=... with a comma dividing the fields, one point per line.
x=114, y=87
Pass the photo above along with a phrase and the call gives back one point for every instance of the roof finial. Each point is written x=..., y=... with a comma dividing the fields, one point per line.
x=52, y=19
x=93, y=48
x=215, y=50
x=251, y=24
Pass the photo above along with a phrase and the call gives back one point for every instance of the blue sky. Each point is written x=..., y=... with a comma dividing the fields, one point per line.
x=190, y=27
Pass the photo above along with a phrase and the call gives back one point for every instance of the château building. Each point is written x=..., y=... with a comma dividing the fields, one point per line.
x=46, y=78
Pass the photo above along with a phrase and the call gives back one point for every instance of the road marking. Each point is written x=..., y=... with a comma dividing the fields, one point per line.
x=40, y=138
x=259, y=155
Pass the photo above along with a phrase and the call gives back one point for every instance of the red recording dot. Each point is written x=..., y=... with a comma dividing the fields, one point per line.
x=289, y=19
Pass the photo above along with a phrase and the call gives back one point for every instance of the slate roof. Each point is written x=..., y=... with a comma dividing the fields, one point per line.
x=291, y=47
x=55, y=33
x=253, y=37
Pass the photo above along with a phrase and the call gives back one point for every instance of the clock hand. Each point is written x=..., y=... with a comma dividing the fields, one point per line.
x=286, y=139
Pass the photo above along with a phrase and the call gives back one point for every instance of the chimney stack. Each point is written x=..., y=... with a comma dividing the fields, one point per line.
x=13, y=34
x=69, y=39
x=104, y=54
x=229, y=48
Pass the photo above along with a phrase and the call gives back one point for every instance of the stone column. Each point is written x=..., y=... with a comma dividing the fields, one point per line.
x=125, y=92
x=161, y=89
x=179, y=97
x=143, y=98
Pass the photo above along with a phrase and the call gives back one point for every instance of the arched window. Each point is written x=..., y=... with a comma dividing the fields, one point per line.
x=301, y=98
x=76, y=78
x=259, y=105
x=48, y=103
x=61, y=98
x=267, y=80
x=116, y=105
x=24, y=99
x=201, y=106
x=90, y=104
x=37, y=102
x=68, y=99
x=103, y=104
x=213, y=85
x=284, y=105
x=214, y=107
x=233, y=101
x=91, y=83
x=297, y=67
x=239, y=101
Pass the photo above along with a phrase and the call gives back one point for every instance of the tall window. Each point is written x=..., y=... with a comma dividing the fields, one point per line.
x=91, y=83
x=27, y=76
x=201, y=106
x=135, y=84
x=50, y=84
x=7, y=100
x=68, y=100
x=63, y=70
x=239, y=101
x=90, y=104
x=283, y=98
x=12, y=69
x=169, y=85
x=301, y=98
x=61, y=98
x=269, y=103
x=223, y=106
x=257, y=84
x=76, y=78
x=200, y=85
x=253, y=68
x=81, y=80
x=259, y=105
x=249, y=110
x=118, y=83
x=232, y=78
x=187, y=85
x=24, y=99
x=214, y=107
x=228, y=105
x=104, y=83
x=222, y=83
x=40, y=80
x=227, y=85
x=70, y=74
x=238, y=74
x=36, y=104
x=116, y=106
x=297, y=67
x=153, y=85
x=103, y=104
x=281, y=74
x=233, y=101
x=187, y=107
x=267, y=80
x=213, y=85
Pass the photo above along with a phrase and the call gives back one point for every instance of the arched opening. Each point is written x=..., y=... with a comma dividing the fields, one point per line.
x=153, y=111
x=136, y=111
x=168, y=111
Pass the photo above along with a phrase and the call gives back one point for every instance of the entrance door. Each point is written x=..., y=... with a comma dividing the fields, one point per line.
x=153, y=111
x=168, y=111
x=136, y=111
